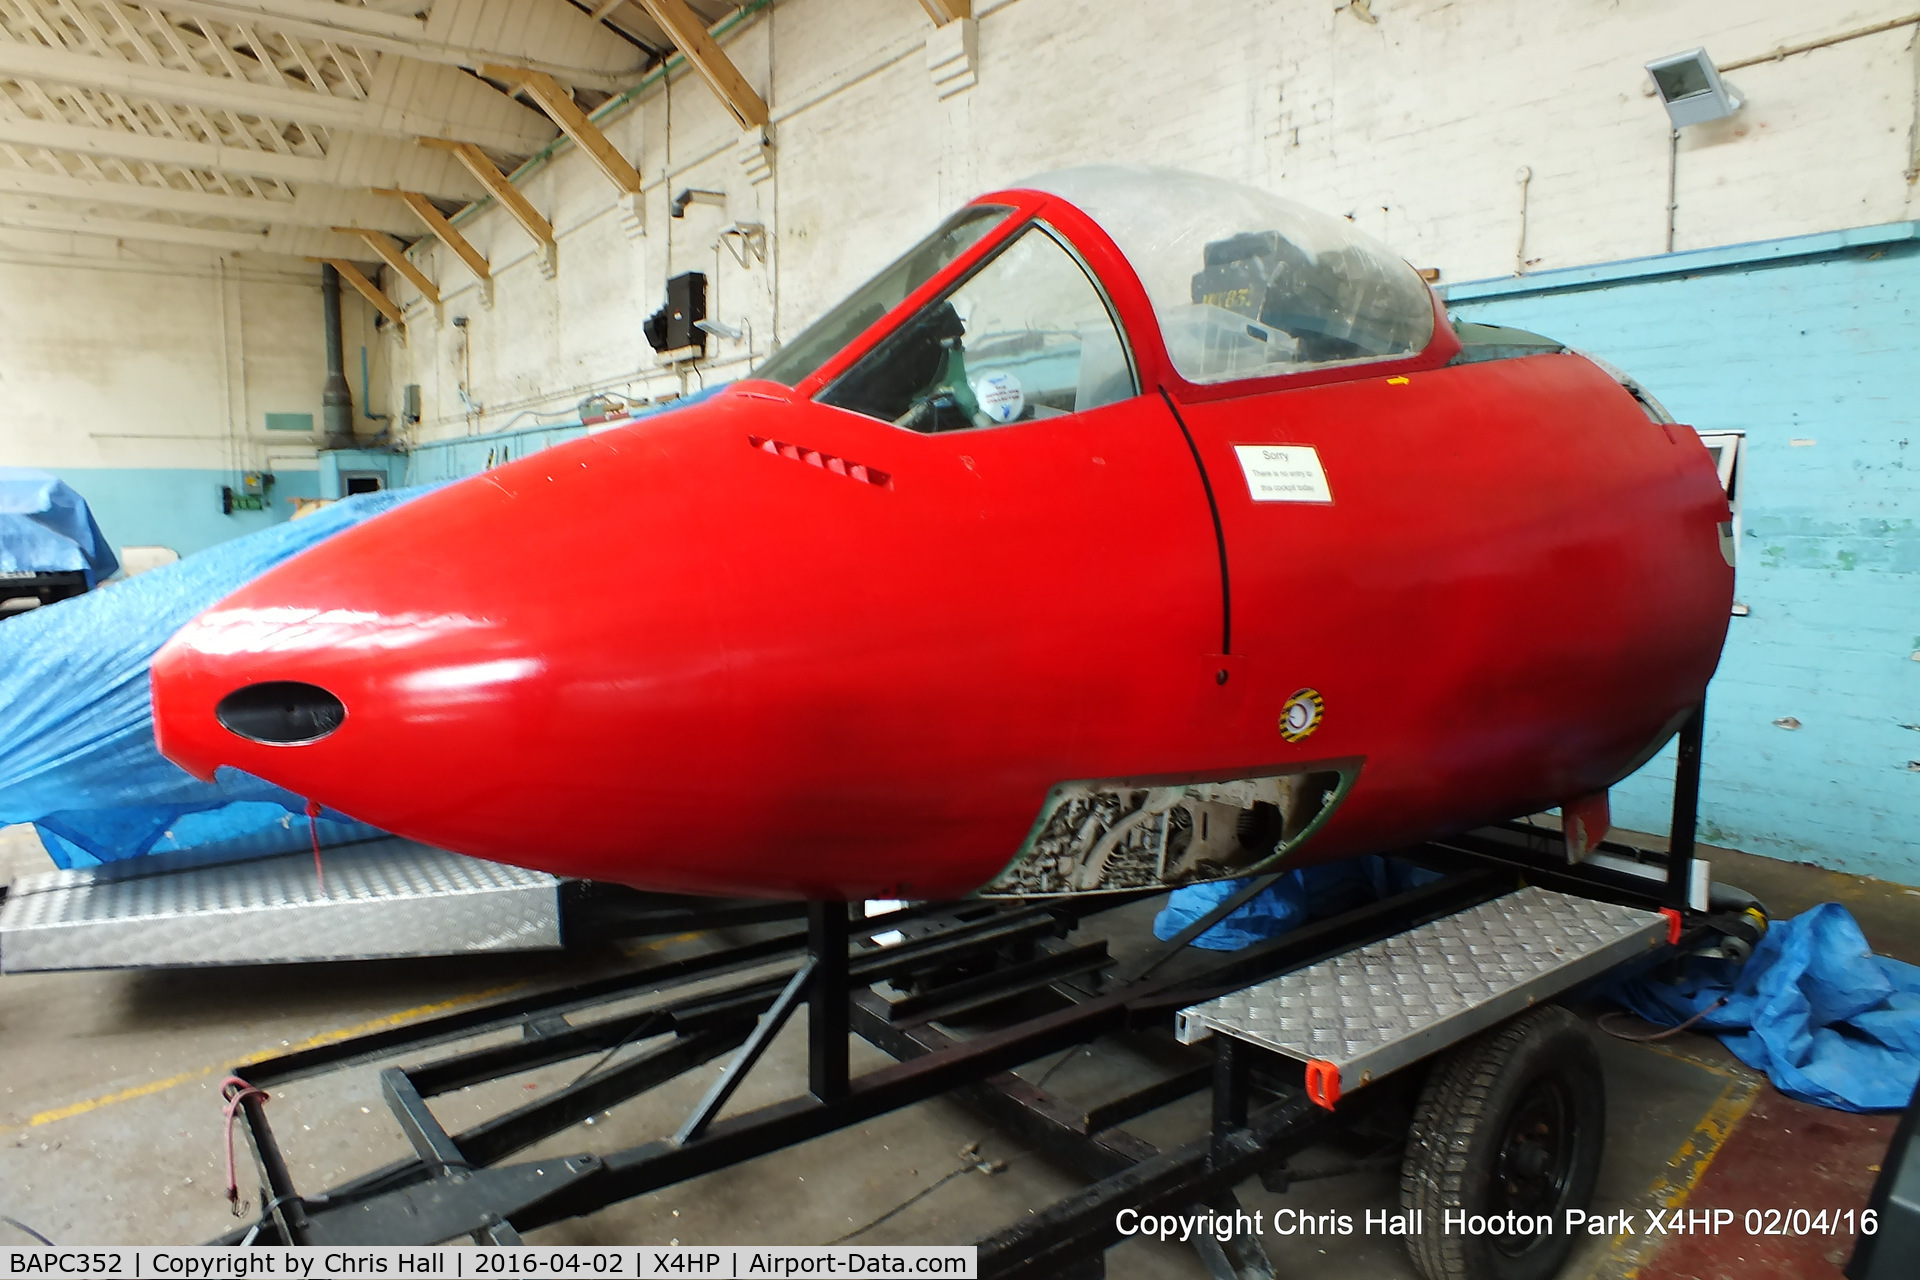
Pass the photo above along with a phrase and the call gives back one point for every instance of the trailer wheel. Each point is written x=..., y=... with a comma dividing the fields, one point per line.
x=1510, y=1123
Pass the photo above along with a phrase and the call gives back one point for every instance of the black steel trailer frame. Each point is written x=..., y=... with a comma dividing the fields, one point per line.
x=957, y=960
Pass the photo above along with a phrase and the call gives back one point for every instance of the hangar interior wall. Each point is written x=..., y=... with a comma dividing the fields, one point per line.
x=143, y=376
x=1484, y=140
x=1813, y=721
x=1478, y=139
x=1498, y=138
x=1473, y=138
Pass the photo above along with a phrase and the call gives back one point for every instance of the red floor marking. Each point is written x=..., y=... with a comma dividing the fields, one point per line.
x=1784, y=1155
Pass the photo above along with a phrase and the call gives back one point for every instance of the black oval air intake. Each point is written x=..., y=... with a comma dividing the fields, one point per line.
x=284, y=713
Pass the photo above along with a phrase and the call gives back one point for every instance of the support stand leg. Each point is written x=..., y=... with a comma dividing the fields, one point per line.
x=1239, y=1257
x=1686, y=808
x=1230, y=1086
x=827, y=937
x=735, y=1071
x=285, y=1208
x=822, y=983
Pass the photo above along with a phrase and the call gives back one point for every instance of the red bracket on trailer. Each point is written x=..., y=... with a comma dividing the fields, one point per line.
x=1673, y=925
x=1323, y=1083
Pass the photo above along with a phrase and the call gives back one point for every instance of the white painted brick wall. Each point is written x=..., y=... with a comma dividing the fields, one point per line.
x=111, y=356
x=1415, y=125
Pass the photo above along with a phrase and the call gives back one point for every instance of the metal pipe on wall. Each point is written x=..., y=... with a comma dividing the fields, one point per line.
x=1825, y=42
x=1673, y=184
x=336, y=398
x=1524, y=176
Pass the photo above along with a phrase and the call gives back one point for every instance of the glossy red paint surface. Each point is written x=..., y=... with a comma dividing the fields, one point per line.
x=672, y=656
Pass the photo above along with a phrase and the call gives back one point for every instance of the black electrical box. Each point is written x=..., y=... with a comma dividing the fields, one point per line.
x=672, y=328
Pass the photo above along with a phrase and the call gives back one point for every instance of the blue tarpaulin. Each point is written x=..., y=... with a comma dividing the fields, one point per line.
x=1268, y=914
x=1827, y=1020
x=1311, y=893
x=77, y=755
x=45, y=527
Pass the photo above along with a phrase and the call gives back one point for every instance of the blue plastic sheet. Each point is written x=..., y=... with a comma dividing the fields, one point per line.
x=1311, y=893
x=45, y=527
x=77, y=754
x=1268, y=914
x=1827, y=1020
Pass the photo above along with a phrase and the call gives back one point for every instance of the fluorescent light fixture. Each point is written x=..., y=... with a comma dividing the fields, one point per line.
x=1691, y=89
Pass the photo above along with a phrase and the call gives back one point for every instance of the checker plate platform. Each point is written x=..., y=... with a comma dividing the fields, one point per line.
x=383, y=898
x=1383, y=1006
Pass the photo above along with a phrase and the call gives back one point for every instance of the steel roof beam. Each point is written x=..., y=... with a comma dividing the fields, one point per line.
x=354, y=161
x=320, y=214
x=124, y=144
x=613, y=64
x=224, y=93
x=128, y=229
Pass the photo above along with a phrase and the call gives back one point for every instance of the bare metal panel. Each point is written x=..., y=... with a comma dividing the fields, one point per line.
x=1380, y=1007
x=383, y=898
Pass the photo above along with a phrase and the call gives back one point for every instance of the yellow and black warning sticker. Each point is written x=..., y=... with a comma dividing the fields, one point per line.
x=1302, y=714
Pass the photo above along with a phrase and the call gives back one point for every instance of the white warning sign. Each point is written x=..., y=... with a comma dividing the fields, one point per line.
x=1283, y=473
x=1000, y=396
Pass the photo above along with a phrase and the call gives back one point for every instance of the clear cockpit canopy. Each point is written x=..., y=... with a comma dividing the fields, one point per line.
x=1245, y=284
x=855, y=314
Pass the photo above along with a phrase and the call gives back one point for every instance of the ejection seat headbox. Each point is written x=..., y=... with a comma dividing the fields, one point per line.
x=1245, y=284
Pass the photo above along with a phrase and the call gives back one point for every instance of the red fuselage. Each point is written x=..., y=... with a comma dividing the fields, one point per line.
x=762, y=646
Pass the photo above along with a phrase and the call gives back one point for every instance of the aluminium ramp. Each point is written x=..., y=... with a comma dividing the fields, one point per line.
x=383, y=899
x=1360, y=1015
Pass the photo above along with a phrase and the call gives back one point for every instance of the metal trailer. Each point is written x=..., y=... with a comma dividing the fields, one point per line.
x=1323, y=1029
x=378, y=899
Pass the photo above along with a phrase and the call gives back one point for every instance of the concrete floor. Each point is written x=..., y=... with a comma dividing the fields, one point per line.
x=111, y=1132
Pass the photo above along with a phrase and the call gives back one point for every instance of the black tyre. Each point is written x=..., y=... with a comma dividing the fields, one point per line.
x=1510, y=1123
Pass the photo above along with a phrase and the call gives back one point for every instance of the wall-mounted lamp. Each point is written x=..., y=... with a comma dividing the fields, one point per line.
x=692, y=195
x=1691, y=89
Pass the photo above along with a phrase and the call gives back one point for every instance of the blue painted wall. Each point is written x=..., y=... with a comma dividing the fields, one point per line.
x=470, y=455
x=1812, y=347
x=393, y=466
x=178, y=507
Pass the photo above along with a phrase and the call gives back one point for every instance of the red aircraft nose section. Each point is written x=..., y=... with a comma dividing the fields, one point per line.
x=1129, y=531
x=532, y=616
x=752, y=647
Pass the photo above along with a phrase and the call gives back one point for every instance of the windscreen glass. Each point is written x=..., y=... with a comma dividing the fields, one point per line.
x=1026, y=336
x=825, y=337
x=1246, y=284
